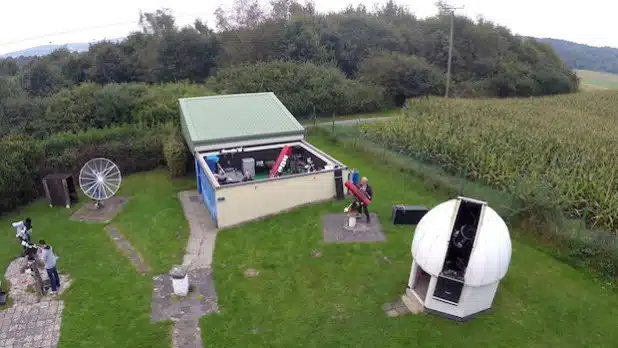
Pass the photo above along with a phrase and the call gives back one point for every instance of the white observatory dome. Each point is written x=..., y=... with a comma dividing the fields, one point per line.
x=491, y=254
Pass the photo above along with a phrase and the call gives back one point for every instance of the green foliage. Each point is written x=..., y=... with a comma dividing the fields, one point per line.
x=132, y=149
x=90, y=106
x=402, y=76
x=302, y=87
x=176, y=152
x=18, y=172
x=290, y=31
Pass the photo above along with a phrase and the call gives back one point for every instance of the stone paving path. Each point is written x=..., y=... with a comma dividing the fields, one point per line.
x=31, y=326
x=201, y=245
x=22, y=291
x=127, y=249
x=202, y=298
x=32, y=322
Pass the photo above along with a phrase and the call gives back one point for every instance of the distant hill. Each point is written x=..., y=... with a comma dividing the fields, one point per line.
x=47, y=49
x=584, y=57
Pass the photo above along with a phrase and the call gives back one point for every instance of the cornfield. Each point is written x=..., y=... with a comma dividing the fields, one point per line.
x=568, y=143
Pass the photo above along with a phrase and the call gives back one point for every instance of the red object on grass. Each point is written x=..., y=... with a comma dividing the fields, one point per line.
x=357, y=193
x=280, y=163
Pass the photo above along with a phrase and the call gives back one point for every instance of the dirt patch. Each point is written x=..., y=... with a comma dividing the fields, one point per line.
x=90, y=213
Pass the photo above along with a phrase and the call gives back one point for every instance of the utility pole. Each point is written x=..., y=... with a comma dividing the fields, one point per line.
x=451, y=10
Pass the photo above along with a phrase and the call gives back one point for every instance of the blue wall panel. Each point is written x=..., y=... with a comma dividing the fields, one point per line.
x=206, y=190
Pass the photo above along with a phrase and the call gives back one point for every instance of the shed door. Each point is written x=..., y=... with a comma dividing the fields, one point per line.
x=206, y=190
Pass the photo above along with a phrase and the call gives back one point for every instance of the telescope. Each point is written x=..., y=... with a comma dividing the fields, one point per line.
x=360, y=195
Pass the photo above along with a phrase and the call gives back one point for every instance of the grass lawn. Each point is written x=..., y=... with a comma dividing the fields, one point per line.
x=109, y=304
x=299, y=300
x=334, y=301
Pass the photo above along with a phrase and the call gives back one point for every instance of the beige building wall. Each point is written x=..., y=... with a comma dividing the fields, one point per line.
x=242, y=203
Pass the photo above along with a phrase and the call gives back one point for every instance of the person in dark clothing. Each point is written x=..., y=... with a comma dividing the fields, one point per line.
x=366, y=189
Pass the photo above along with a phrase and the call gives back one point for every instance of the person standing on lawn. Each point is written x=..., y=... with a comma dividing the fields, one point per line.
x=49, y=259
x=365, y=188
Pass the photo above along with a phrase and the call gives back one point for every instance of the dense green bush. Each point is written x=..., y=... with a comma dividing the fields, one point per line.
x=132, y=149
x=27, y=161
x=302, y=87
x=91, y=106
x=18, y=173
x=175, y=152
x=402, y=76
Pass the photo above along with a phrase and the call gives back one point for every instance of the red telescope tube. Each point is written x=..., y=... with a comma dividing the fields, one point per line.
x=357, y=193
x=280, y=163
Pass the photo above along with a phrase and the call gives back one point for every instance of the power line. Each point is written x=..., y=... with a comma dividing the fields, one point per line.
x=64, y=32
x=82, y=29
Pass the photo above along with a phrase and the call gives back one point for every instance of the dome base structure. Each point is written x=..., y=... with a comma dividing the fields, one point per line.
x=461, y=250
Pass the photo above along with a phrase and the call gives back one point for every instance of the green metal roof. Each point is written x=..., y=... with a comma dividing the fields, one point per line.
x=234, y=118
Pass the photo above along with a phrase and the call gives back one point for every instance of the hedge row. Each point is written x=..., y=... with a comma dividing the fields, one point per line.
x=91, y=106
x=133, y=149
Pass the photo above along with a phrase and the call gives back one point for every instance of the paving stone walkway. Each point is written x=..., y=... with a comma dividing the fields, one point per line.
x=31, y=322
x=202, y=298
x=185, y=311
x=127, y=249
x=31, y=326
x=201, y=245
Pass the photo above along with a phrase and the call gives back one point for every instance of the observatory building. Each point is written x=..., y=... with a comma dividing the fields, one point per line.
x=252, y=159
x=461, y=250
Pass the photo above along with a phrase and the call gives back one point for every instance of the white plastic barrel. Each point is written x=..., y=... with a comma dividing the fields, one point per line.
x=180, y=280
x=181, y=286
x=351, y=221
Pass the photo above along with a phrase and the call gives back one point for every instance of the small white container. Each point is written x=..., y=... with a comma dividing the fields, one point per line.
x=181, y=286
x=180, y=281
x=352, y=221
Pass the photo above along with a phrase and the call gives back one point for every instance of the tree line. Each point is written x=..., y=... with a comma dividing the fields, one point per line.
x=378, y=58
x=119, y=99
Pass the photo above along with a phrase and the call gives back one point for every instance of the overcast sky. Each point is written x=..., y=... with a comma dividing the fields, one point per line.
x=25, y=24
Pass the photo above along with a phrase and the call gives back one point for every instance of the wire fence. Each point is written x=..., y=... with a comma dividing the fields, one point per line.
x=537, y=221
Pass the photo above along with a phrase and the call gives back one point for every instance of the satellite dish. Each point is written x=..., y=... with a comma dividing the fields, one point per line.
x=100, y=179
